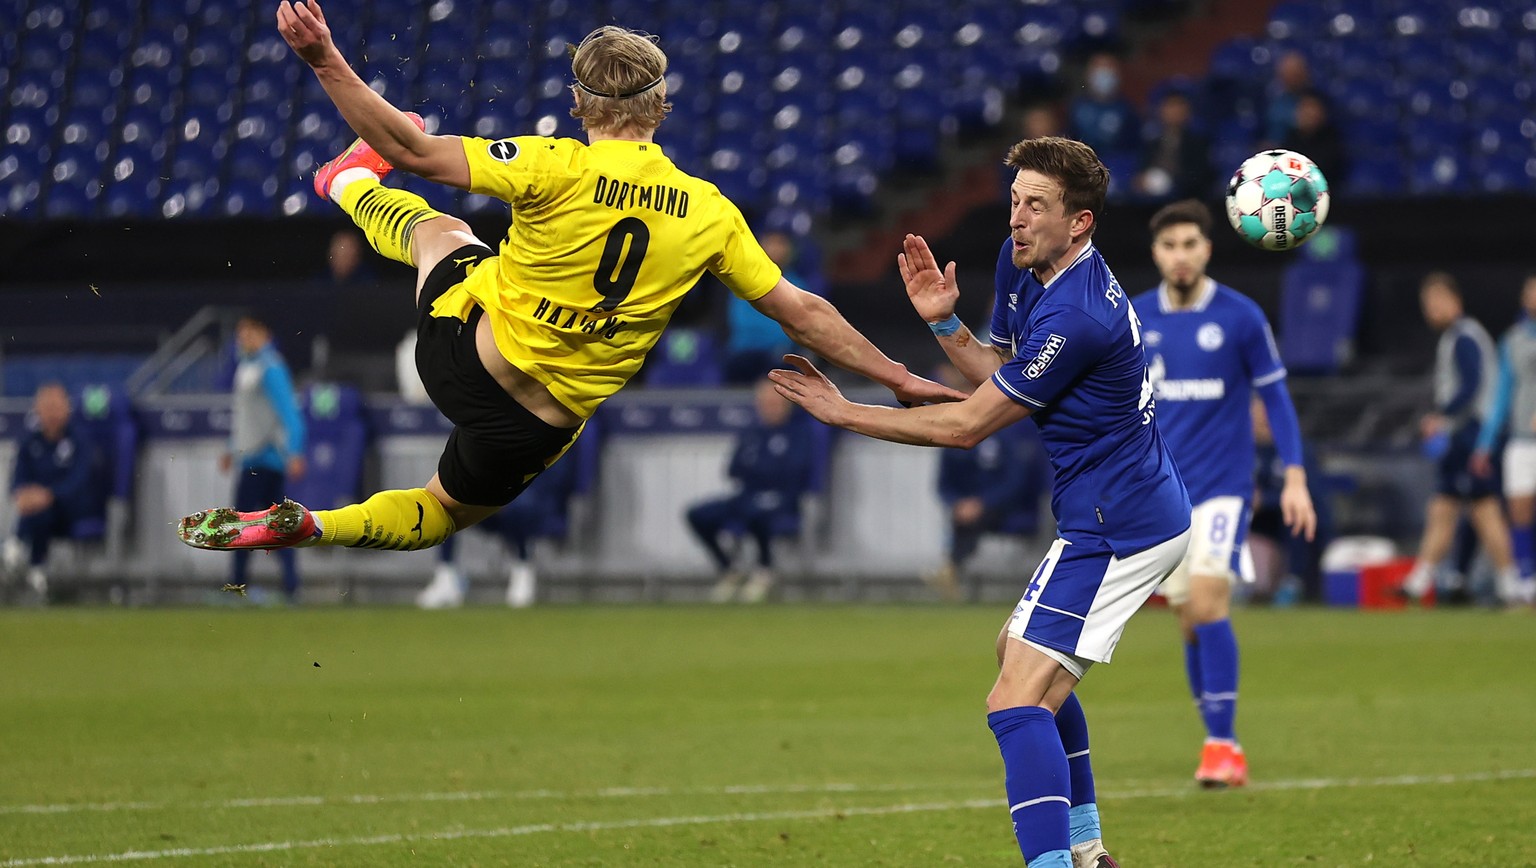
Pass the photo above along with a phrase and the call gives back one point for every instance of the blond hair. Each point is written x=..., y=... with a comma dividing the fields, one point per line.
x=620, y=80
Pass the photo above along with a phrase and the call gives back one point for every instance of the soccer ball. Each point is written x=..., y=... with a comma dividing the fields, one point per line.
x=1277, y=199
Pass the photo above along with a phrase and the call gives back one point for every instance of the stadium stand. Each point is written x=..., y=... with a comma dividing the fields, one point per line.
x=187, y=108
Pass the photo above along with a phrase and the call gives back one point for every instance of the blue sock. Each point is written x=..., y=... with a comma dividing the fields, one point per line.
x=1524, y=539
x=1072, y=726
x=1218, y=670
x=1192, y=669
x=1038, y=781
x=290, y=563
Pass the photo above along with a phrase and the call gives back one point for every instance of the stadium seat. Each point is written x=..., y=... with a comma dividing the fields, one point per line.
x=684, y=357
x=1375, y=177
x=1439, y=173
x=1505, y=172
x=104, y=416
x=1320, y=300
x=337, y=446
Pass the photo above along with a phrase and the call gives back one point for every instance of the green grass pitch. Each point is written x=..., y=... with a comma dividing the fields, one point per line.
x=693, y=736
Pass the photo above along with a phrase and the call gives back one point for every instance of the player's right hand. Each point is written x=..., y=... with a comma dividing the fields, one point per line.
x=303, y=27
x=933, y=293
x=1480, y=464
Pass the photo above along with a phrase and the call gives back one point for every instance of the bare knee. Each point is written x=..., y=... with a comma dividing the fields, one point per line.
x=1210, y=600
x=433, y=239
x=464, y=515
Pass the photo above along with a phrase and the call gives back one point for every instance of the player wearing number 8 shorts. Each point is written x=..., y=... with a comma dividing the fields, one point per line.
x=1209, y=349
x=519, y=346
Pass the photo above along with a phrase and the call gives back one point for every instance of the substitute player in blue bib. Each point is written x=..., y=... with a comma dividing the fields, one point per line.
x=1066, y=350
x=1210, y=349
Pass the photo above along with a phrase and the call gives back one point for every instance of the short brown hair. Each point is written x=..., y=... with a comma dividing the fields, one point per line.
x=1071, y=164
x=620, y=80
x=1443, y=279
x=1179, y=213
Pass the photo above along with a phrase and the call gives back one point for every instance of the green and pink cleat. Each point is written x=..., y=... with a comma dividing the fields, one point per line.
x=279, y=526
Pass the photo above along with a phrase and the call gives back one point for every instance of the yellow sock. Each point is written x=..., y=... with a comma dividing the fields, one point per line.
x=387, y=216
x=402, y=521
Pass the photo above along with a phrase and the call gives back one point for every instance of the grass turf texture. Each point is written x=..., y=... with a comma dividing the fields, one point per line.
x=804, y=736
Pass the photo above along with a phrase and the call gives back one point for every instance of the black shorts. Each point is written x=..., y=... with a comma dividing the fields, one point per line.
x=497, y=446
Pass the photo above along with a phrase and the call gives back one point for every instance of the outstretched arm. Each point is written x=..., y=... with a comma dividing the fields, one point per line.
x=962, y=424
x=384, y=127
x=811, y=321
x=933, y=294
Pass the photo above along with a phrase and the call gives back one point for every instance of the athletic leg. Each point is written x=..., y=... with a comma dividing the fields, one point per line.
x=1439, y=529
x=398, y=224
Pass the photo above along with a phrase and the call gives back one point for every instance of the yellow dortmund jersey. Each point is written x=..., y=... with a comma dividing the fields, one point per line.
x=605, y=241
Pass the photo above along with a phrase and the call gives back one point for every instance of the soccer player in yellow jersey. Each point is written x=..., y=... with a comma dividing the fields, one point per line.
x=518, y=347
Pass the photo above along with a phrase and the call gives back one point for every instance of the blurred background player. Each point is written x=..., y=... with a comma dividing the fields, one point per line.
x=1514, y=414
x=771, y=465
x=1287, y=566
x=1463, y=395
x=1066, y=350
x=1102, y=117
x=1210, y=350
x=754, y=343
x=55, y=470
x=982, y=487
x=266, y=438
x=1176, y=159
x=518, y=348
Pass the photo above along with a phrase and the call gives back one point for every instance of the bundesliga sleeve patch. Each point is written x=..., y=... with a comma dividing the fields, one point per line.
x=503, y=150
x=1048, y=354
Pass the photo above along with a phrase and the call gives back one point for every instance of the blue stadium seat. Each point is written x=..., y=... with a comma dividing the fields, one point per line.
x=684, y=357
x=104, y=417
x=337, y=447
x=1439, y=173
x=1434, y=134
x=250, y=197
x=1375, y=177
x=1296, y=22
x=1505, y=172
x=1320, y=298
x=1367, y=97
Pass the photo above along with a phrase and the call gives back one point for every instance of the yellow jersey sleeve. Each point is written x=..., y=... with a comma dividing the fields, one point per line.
x=741, y=264
x=520, y=170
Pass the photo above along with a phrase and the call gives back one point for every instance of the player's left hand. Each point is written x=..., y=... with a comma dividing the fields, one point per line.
x=1296, y=507
x=809, y=388
x=303, y=27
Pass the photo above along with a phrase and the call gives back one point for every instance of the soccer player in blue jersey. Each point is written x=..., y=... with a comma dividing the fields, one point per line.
x=1210, y=349
x=1066, y=350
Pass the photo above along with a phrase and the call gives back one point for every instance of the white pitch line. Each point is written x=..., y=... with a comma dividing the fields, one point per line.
x=753, y=817
x=479, y=796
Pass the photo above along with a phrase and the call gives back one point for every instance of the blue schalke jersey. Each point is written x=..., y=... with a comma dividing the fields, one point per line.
x=1078, y=365
x=1205, y=362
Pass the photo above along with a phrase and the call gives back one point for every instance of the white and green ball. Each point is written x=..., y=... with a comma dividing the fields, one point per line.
x=1277, y=199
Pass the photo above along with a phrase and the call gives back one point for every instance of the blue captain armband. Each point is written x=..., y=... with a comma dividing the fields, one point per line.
x=946, y=327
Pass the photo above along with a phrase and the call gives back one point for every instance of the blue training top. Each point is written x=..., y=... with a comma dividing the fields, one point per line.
x=1078, y=364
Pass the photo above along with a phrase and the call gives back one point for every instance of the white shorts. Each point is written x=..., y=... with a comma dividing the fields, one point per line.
x=1520, y=468
x=1082, y=596
x=1218, y=528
